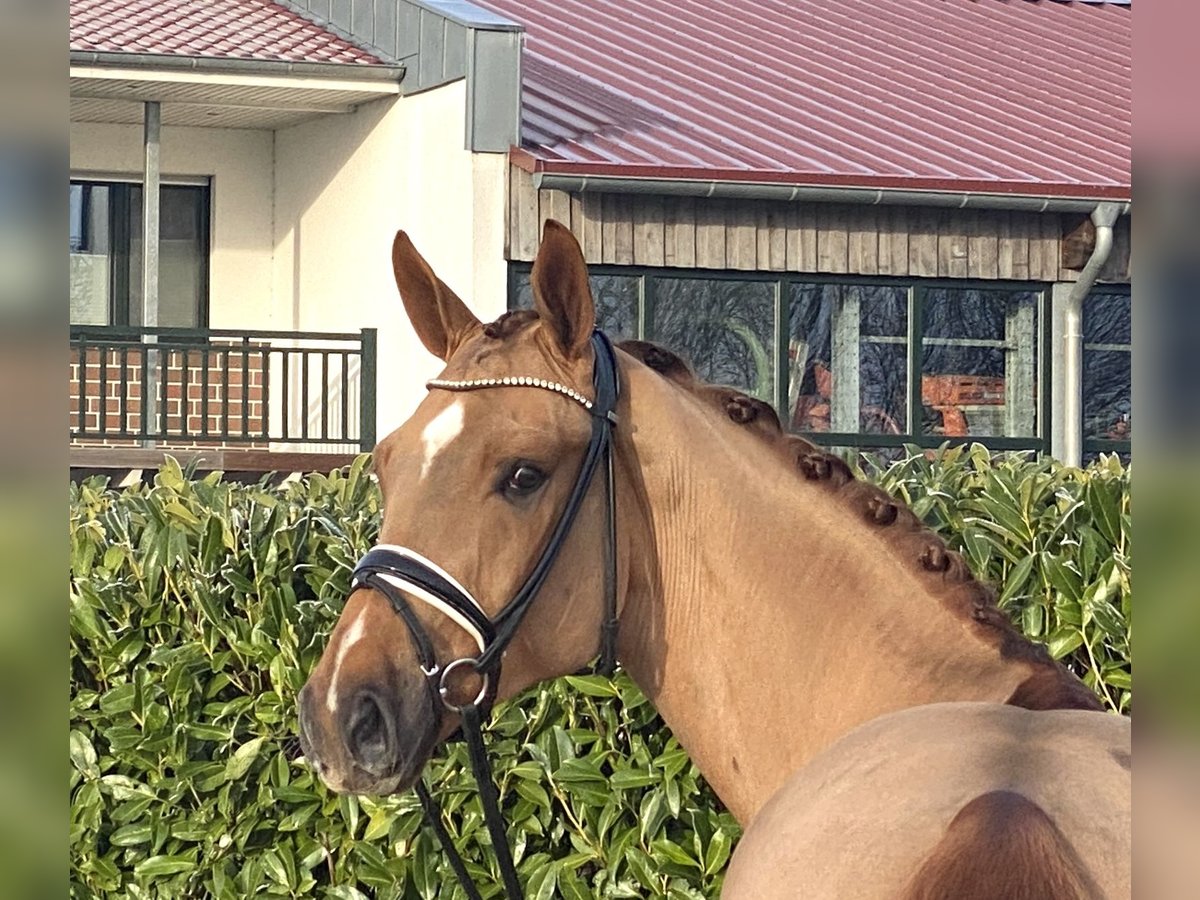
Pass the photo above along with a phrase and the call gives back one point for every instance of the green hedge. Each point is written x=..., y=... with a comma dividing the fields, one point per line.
x=198, y=605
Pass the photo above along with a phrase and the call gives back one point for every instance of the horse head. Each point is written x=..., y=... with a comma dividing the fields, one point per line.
x=474, y=485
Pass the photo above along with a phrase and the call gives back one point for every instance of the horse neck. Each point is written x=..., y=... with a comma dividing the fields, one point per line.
x=764, y=620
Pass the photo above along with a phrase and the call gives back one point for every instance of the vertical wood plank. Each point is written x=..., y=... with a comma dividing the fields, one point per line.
x=555, y=205
x=983, y=245
x=741, y=241
x=513, y=214
x=762, y=235
x=528, y=218
x=608, y=228
x=592, y=214
x=779, y=216
x=807, y=215
x=679, y=233
x=1019, y=227
x=893, y=240
x=922, y=243
x=1006, y=244
x=710, y=234
x=952, y=246
x=832, y=239
x=863, y=240
x=576, y=223
x=1043, y=253
x=1051, y=238
x=622, y=212
x=649, y=234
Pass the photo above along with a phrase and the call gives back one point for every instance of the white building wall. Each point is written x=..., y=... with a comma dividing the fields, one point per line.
x=239, y=163
x=303, y=220
x=345, y=184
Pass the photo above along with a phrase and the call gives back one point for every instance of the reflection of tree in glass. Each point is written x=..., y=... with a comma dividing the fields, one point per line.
x=964, y=315
x=615, y=296
x=882, y=366
x=723, y=328
x=1107, y=371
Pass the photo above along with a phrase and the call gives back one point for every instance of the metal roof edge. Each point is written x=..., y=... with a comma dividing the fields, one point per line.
x=792, y=191
x=469, y=15
x=223, y=65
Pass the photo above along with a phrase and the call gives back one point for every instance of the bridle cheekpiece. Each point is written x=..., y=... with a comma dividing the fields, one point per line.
x=401, y=574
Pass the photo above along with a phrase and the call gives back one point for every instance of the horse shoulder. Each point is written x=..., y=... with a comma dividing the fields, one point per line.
x=909, y=800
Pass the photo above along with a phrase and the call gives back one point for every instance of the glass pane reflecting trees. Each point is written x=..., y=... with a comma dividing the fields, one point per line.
x=876, y=363
x=724, y=328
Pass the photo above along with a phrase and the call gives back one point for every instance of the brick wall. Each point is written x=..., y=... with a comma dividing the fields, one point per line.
x=235, y=384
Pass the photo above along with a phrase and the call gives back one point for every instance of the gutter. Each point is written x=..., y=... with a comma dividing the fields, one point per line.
x=793, y=193
x=214, y=65
x=1104, y=216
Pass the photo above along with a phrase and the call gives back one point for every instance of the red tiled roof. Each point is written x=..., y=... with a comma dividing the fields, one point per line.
x=1017, y=96
x=229, y=29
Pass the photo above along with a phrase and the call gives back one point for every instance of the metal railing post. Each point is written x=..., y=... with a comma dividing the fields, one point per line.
x=366, y=389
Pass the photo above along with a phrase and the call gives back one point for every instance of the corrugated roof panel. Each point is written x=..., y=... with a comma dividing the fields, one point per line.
x=229, y=29
x=1006, y=95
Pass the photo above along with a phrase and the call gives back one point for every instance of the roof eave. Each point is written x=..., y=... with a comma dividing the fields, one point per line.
x=796, y=187
x=214, y=65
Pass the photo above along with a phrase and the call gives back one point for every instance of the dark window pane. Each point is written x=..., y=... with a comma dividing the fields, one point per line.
x=979, y=363
x=182, y=255
x=725, y=329
x=1107, y=366
x=1107, y=382
x=848, y=358
x=615, y=296
x=1107, y=318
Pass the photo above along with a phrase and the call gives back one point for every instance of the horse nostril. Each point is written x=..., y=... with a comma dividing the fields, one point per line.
x=369, y=735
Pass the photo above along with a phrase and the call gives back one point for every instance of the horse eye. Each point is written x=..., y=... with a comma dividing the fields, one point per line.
x=524, y=480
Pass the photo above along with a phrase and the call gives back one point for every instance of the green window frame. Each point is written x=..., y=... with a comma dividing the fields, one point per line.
x=632, y=296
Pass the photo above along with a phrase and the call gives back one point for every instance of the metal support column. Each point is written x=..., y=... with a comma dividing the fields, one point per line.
x=150, y=219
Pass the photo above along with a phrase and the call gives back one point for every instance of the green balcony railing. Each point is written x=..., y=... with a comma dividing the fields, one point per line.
x=181, y=386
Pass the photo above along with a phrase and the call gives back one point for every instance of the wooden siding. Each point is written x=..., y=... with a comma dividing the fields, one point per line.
x=770, y=236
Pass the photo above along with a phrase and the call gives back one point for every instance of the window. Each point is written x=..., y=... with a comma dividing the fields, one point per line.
x=866, y=363
x=106, y=254
x=1107, y=372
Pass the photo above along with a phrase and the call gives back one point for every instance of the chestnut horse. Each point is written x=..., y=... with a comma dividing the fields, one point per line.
x=845, y=685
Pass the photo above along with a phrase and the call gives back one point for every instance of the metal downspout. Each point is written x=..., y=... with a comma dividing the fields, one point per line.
x=1104, y=216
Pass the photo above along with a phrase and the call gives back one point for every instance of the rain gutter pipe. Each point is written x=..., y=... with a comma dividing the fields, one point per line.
x=752, y=190
x=1104, y=216
x=209, y=65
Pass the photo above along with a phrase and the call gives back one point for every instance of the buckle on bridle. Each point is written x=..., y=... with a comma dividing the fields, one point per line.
x=444, y=690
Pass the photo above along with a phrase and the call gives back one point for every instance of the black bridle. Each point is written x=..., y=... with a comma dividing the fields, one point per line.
x=402, y=575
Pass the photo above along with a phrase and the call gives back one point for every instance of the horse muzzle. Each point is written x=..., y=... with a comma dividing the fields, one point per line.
x=369, y=742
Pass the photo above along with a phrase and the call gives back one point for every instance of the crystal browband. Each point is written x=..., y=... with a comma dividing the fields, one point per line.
x=475, y=384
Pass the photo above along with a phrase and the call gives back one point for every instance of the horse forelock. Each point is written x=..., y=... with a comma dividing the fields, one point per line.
x=944, y=571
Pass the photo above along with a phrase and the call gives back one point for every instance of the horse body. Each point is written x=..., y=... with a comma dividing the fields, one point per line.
x=869, y=812
x=783, y=618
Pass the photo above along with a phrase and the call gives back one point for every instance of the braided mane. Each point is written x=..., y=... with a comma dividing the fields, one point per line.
x=1050, y=685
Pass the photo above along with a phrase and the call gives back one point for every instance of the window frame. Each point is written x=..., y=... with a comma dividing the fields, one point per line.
x=120, y=228
x=917, y=288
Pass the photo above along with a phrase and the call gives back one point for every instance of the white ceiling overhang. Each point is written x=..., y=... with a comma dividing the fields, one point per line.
x=225, y=98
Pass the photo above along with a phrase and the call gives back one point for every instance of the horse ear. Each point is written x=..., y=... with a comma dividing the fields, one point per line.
x=441, y=320
x=561, y=293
